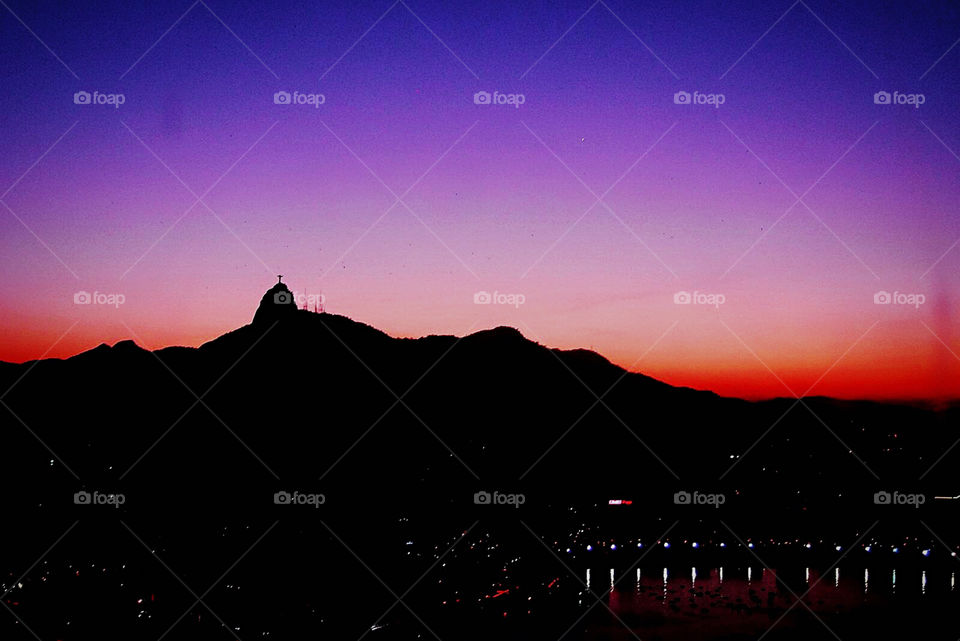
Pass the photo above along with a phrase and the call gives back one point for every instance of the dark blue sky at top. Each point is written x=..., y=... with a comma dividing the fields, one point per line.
x=498, y=40
x=200, y=83
x=199, y=75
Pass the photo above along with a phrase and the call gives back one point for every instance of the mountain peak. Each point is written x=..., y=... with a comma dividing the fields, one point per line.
x=127, y=346
x=503, y=332
x=276, y=304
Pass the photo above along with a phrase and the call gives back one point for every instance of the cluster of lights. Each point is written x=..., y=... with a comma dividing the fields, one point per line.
x=697, y=545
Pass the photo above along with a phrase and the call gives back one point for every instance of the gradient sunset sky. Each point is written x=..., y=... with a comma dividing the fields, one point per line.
x=797, y=200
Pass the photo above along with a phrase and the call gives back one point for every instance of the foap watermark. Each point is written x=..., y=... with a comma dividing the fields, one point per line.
x=484, y=297
x=699, y=498
x=299, y=498
x=897, y=98
x=899, y=298
x=497, y=98
x=899, y=498
x=97, y=98
x=98, y=298
x=697, y=98
x=299, y=98
x=498, y=498
x=698, y=298
x=301, y=299
x=98, y=498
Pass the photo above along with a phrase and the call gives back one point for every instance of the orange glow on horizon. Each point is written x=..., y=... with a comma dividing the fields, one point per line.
x=883, y=366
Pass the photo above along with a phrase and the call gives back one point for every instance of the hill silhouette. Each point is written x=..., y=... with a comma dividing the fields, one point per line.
x=321, y=399
x=401, y=436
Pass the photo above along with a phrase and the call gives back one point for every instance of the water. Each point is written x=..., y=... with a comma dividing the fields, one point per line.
x=677, y=602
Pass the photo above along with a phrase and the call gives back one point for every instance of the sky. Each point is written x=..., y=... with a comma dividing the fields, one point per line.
x=759, y=199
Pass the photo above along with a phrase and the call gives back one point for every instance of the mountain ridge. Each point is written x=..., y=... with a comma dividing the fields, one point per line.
x=314, y=396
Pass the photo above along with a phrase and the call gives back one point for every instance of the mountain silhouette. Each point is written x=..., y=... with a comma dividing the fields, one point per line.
x=402, y=437
x=277, y=303
x=319, y=399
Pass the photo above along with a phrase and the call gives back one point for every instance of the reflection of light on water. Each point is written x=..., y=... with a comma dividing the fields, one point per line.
x=588, y=578
x=706, y=585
